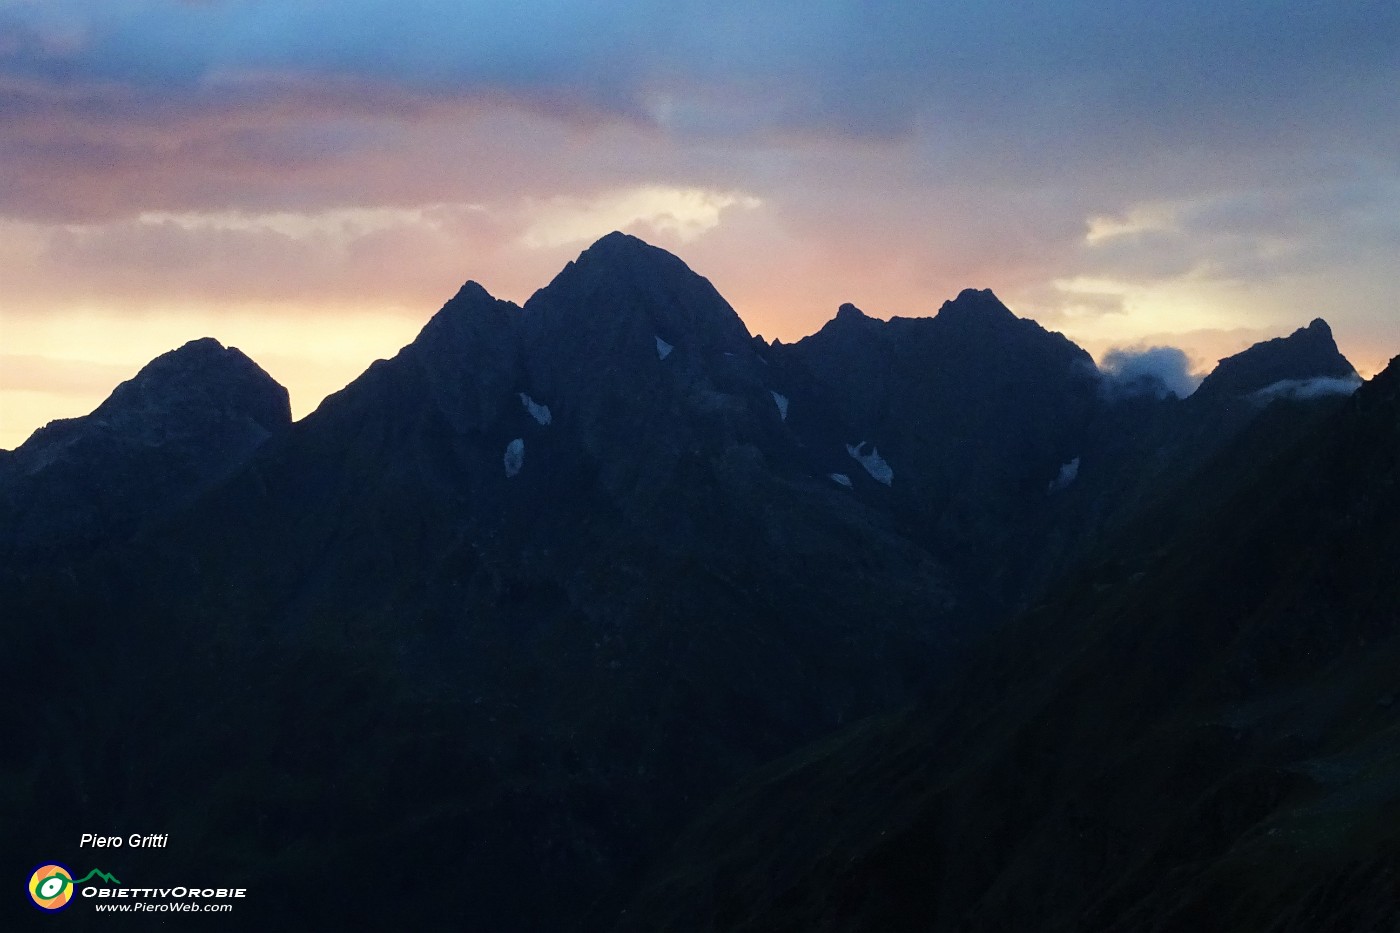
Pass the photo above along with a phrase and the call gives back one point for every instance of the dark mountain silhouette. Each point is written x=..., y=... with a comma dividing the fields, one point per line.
x=1308, y=353
x=975, y=411
x=517, y=603
x=188, y=419
x=1197, y=734
x=616, y=608
x=1142, y=446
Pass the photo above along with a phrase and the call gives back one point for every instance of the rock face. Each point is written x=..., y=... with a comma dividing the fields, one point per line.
x=973, y=411
x=188, y=419
x=593, y=339
x=520, y=601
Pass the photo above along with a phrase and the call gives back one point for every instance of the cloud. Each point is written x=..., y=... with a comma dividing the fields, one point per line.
x=56, y=376
x=1253, y=232
x=342, y=223
x=685, y=212
x=1319, y=387
x=998, y=145
x=988, y=91
x=1155, y=371
x=309, y=263
x=353, y=257
x=1114, y=170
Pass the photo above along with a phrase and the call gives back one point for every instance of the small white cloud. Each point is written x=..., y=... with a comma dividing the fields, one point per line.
x=663, y=349
x=686, y=212
x=841, y=479
x=1144, y=218
x=346, y=223
x=1309, y=388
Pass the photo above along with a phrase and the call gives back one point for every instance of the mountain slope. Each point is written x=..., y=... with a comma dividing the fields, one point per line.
x=1141, y=446
x=975, y=412
x=1201, y=739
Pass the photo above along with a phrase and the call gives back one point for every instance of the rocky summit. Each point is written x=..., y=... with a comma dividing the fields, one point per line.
x=188, y=419
x=590, y=603
x=1308, y=355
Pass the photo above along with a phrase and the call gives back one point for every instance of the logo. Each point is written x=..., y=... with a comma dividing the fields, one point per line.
x=51, y=886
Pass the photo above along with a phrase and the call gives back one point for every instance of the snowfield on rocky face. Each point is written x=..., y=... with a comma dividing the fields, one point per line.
x=782, y=402
x=1069, y=472
x=515, y=456
x=537, y=411
x=874, y=464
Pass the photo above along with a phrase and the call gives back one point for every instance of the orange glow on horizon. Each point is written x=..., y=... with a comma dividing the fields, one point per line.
x=64, y=365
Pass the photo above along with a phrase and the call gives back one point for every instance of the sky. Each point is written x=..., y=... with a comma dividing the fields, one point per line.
x=310, y=180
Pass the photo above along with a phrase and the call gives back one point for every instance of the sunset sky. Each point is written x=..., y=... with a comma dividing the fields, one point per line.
x=310, y=180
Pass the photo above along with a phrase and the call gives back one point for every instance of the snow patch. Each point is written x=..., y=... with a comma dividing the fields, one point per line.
x=840, y=479
x=874, y=464
x=782, y=402
x=515, y=456
x=537, y=411
x=1069, y=472
x=663, y=349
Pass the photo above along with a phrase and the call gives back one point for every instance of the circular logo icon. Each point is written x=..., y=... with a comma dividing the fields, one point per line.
x=51, y=887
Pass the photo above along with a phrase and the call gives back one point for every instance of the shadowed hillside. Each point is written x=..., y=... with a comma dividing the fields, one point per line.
x=1198, y=734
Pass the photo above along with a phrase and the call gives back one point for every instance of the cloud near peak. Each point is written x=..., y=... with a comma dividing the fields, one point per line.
x=1156, y=371
x=687, y=213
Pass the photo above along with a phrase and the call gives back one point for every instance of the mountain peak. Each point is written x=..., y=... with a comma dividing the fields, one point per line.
x=472, y=290
x=850, y=320
x=462, y=311
x=622, y=250
x=617, y=240
x=201, y=345
x=202, y=375
x=622, y=283
x=190, y=417
x=474, y=329
x=1307, y=353
x=974, y=304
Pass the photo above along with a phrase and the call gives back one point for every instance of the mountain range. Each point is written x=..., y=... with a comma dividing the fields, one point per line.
x=1197, y=731
x=601, y=612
